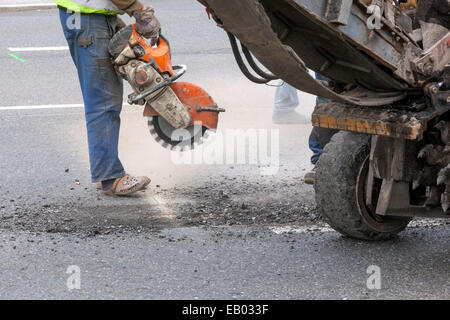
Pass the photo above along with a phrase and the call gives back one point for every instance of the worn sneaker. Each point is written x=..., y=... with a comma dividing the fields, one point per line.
x=290, y=117
x=127, y=185
x=309, y=177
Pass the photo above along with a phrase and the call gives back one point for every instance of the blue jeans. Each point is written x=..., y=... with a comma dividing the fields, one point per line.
x=101, y=87
x=319, y=137
x=320, y=99
x=314, y=145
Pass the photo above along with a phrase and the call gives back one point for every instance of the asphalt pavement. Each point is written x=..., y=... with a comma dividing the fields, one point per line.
x=220, y=231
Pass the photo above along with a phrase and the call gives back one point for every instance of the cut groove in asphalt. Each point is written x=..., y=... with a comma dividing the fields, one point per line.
x=164, y=210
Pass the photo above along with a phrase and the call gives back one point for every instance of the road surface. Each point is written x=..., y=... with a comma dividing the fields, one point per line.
x=220, y=231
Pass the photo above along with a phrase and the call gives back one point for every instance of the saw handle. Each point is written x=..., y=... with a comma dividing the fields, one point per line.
x=179, y=71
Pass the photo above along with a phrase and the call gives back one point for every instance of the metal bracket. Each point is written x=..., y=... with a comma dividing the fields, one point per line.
x=393, y=195
x=133, y=99
x=434, y=59
x=211, y=108
x=338, y=11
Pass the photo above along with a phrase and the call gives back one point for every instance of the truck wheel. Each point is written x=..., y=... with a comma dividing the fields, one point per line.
x=340, y=184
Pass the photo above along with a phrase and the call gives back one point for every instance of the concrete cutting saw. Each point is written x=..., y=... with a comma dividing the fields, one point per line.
x=180, y=114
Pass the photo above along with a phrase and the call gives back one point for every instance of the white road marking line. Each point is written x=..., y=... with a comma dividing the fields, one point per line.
x=21, y=7
x=305, y=229
x=38, y=49
x=427, y=222
x=420, y=223
x=50, y=106
x=28, y=5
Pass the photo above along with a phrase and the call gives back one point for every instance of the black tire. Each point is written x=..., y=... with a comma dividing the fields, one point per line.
x=339, y=193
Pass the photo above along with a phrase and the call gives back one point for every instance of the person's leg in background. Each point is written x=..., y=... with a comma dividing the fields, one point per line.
x=286, y=100
x=318, y=139
x=102, y=91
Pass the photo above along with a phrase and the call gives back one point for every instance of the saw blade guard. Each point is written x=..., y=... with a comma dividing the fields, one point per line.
x=200, y=104
x=203, y=110
x=171, y=105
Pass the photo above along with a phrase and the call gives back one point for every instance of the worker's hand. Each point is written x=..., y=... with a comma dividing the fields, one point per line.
x=147, y=25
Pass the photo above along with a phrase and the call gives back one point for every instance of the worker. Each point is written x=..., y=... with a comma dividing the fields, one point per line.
x=88, y=26
x=318, y=138
x=286, y=100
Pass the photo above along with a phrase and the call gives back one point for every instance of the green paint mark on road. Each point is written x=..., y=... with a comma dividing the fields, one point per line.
x=12, y=55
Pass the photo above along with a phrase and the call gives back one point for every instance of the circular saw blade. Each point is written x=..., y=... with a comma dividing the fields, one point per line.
x=176, y=139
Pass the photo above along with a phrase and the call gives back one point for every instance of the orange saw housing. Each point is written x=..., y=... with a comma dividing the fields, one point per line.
x=197, y=100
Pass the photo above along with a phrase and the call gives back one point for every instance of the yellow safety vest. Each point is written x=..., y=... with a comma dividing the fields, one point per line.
x=90, y=6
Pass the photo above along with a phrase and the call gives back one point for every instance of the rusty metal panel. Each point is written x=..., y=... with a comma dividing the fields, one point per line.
x=379, y=121
x=407, y=121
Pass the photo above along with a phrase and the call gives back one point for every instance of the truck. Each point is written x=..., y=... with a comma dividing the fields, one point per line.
x=388, y=93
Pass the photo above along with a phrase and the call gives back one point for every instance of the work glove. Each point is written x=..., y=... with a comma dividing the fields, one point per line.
x=120, y=25
x=147, y=25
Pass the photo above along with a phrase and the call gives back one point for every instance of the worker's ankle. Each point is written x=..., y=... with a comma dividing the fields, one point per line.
x=107, y=184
